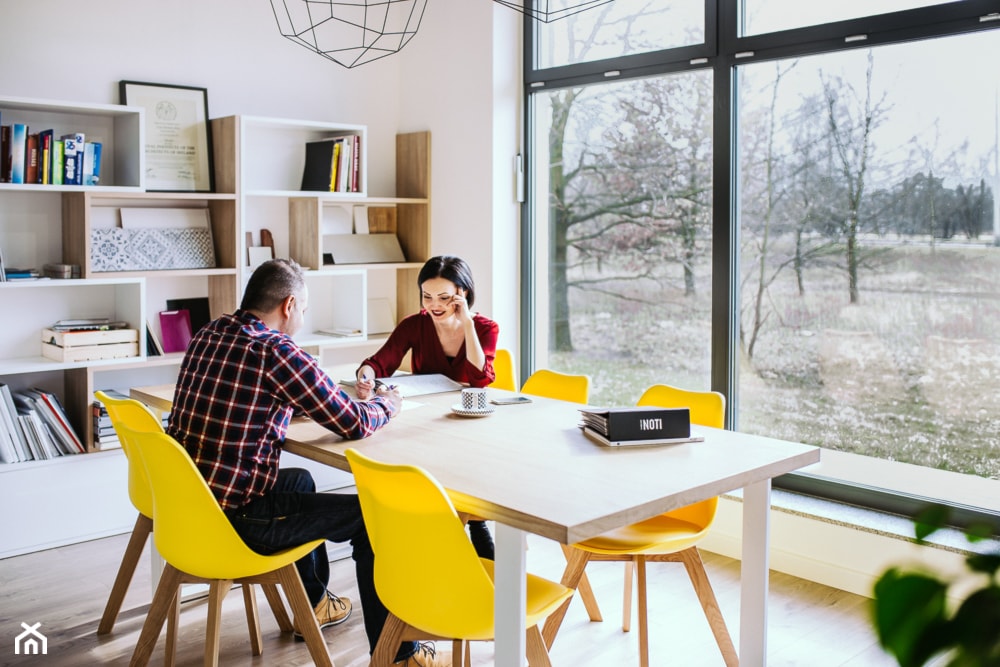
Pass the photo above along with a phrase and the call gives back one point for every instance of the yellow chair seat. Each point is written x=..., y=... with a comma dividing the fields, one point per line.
x=647, y=537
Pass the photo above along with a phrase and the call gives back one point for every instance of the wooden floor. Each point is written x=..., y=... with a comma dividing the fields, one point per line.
x=65, y=590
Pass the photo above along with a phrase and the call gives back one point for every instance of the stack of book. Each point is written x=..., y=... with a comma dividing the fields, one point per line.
x=647, y=425
x=105, y=436
x=34, y=427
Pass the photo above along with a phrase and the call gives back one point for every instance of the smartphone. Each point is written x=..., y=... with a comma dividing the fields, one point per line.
x=511, y=400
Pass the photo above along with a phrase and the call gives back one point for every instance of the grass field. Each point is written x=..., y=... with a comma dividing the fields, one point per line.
x=910, y=373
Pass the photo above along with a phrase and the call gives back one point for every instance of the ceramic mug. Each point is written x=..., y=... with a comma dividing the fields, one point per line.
x=474, y=400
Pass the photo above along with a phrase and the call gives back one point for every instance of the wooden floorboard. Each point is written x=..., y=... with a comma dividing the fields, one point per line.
x=65, y=590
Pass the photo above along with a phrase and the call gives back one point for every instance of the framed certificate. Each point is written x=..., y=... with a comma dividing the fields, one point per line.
x=178, y=135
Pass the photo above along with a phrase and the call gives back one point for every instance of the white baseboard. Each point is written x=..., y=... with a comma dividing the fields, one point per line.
x=842, y=556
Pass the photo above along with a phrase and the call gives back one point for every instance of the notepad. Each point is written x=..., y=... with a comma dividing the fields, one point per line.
x=417, y=385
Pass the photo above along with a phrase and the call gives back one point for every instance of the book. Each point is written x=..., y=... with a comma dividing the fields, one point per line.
x=318, y=172
x=55, y=416
x=638, y=423
x=154, y=347
x=356, y=163
x=57, y=162
x=31, y=159
x=197, y=308
x=73, y=147
x=4, y=153
x=175, y=327
x=45, y=156
x=335, y=165
x=18, y=152
x=92, y=163
x=603, y=440
x=18, y=441
x=89, y=337
x=8, y=444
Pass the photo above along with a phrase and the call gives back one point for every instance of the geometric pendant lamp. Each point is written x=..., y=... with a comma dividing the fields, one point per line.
x=350, y=32
x=551, y=10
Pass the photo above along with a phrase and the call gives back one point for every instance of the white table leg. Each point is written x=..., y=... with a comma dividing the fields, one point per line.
x=754, y=574
x=511, y=597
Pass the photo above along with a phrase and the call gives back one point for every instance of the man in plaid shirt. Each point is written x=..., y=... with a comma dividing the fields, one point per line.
x=241, y=380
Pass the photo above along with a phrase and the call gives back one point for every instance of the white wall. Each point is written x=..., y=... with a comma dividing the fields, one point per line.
x=463, y=82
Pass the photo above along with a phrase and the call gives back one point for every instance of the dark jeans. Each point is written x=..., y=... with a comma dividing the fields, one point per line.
x=292, y=514
x=481, y=539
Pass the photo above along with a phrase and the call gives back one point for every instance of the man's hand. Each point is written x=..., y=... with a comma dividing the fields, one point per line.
x=390, y=392
x=365, y=385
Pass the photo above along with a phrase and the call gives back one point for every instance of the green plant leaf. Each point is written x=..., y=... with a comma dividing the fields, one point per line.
x=930, y=519
x=985, y=563
x=977, y=623
x=909, y=615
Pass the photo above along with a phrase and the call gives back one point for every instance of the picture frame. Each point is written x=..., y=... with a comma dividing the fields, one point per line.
x=178, y=150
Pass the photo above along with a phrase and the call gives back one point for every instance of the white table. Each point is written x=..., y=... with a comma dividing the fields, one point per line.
x=530, y=469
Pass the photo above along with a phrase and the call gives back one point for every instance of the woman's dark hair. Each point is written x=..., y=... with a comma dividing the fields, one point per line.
x=271, y=283
x=450, y=268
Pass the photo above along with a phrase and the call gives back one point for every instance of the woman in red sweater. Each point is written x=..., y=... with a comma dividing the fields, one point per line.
x=444, y=337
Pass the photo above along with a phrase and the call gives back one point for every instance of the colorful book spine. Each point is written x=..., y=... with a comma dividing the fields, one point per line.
x=58, y=165
x=73, y=158
x=4, y=153
x=356, y=166
x=18, y=151
x=31, y=170
x=45, y=156
x=92, y=163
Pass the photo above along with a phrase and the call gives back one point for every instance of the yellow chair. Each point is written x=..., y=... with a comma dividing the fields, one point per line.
x=126, y=411
x=420, y=545
x=552, y=384
x=503, y=367
x=671, y=536
x=199, y=545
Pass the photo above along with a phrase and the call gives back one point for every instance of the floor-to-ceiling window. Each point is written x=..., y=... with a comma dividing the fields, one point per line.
x=859, y=245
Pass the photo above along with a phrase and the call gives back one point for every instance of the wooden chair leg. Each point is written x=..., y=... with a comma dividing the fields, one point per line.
x=640, y=568
x=468, y=654
x=585, y=591
x=538, y=655
x=253, y=619
x=277, y=607
x=576, y=563
x=457, y=646
x=302, y=611
x=136, y=543
x=216, y=594
x=706, y=596
x=166, y=594
x=388, y=642
x=627, y=597
x=173, y=627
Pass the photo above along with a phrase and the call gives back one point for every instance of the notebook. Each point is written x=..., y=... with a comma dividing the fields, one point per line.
x=601, y=440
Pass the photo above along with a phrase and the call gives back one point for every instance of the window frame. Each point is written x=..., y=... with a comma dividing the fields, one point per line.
x=723, y=50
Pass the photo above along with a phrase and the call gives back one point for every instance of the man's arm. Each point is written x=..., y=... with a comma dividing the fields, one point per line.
x=302, y=383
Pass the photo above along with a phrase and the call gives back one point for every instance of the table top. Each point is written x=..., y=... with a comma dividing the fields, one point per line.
x=530, y=466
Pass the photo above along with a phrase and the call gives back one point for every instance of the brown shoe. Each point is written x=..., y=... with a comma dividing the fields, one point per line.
x=331, y=610
x=426, y=656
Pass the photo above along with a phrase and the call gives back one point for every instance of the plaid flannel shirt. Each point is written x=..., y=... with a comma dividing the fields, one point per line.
x=238, y=386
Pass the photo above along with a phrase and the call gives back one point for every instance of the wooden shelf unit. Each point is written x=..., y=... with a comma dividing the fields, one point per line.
x=257, y=162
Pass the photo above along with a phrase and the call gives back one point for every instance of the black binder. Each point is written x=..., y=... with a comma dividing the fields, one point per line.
x=639, y=423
